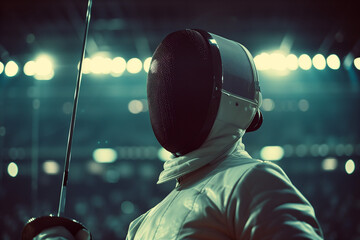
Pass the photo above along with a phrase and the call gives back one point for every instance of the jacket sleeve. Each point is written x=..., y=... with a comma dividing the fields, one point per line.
x=266, y=205
x=134, y=226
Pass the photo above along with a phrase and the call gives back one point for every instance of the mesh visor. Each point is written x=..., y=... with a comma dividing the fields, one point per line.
x=180, y=91
x=239, y=74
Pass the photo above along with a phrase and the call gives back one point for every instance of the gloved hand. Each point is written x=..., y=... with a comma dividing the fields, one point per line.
x=54, y=228
x=61, y=233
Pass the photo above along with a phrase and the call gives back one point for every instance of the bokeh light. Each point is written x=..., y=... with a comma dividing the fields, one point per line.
x=277, y=61
x=305, y=62
x=135, y=106
x=127, y=207
x=134, y=65
x=118, y=66
x=333, y=61
x=304, y=105
x=329, y=164
x=13, y=169
x=319, y=62
x=11, y=69
x=30, y=68
x=86, y=68
x=147, y=64
x=262, y=61
x=100, y=65
x=104, y=155
x=1, y=67
x=44, y=67
x=292, y=62
x=272, y=153
x=268, y=104
x=51, y=167
x=350, y=166
x=357, y=63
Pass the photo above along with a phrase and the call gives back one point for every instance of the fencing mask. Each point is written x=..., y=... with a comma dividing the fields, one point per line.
x=194, y=77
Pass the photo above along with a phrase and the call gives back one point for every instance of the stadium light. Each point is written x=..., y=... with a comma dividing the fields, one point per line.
x=30, y=68
x=43, y=67
x=106, y=65
x=118, y=66
x=134, y=65
x=135, y=106
x=357, y=63
x=147, y=64
x=350, y=166
x=292, y=62
x=305, y=62
x=105, y=155
x=11, y=69
x=268, y=104
x=333, y=61
x=98, y=65
x=272, y=153
x=277, y=61
x=329, y=164
x=1, y=67
x=51, y=167
x=262, y=61
x=13, y=169
x=319, y=62
x=86, y=68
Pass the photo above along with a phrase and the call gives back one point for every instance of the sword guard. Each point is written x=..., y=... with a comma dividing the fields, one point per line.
x=36, y=225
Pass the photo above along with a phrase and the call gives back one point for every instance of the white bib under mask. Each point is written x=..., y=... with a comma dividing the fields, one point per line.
x=224, y=139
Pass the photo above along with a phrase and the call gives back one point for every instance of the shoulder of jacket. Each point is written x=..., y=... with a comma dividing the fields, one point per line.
x=250, y=173
x=231, y=170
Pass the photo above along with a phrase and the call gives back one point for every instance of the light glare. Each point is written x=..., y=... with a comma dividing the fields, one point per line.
x=292, y=62
x=86, y=67
x=349, y=166
x=134, y=65
x=135, y=106
x=118, y=66
x=106, y=66
x=272, y=153
x=51, y=167
x=43, y=65
x=43, y=68
x=329, y=164
x=100, y=65
x=277, y=61
x=268, y=104
x=1, y=67
x=357, y=63
x=105, y=155
x=30, y=68
x=13, y=169
x=319, y=62
x=333, y=61
x=11, y=69
x=147, y=64
x=305, y=62
x=262, y=61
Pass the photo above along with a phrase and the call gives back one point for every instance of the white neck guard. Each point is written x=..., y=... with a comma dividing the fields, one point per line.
x=224, y=139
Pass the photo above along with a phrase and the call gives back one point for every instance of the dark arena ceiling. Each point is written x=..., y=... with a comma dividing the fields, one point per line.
x=137, y=26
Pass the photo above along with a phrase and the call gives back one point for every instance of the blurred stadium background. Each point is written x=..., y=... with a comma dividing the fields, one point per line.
x=307, y=53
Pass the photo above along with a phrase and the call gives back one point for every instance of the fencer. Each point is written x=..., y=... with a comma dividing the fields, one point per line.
x=204, y=96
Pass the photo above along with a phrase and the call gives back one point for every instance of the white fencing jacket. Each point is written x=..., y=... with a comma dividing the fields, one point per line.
x=231, y=197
